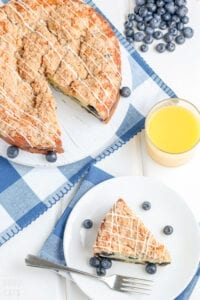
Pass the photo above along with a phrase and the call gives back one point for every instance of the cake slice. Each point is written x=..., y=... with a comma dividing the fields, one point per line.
x=123, y=236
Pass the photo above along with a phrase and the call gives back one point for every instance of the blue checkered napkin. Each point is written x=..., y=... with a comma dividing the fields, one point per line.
x=23, y=197
x=53, y=247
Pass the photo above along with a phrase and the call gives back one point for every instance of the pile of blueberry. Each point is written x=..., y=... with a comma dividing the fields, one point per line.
x=164, y=20
x=101, y=264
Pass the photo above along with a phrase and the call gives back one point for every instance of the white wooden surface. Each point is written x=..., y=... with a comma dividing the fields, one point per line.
x=181, y=71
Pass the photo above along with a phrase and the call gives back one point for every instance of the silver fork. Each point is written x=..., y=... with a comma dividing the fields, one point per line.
x=116, y=282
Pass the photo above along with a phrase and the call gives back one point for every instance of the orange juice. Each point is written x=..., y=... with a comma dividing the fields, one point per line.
x=174, y=129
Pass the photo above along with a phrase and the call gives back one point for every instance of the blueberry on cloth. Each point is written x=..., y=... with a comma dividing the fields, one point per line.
x=106, y=263
x=51, y=156
x=125, y=91
x=12, y=151
x=168, y=229
x=151, y=268
x=94, y=262
x=87, y=223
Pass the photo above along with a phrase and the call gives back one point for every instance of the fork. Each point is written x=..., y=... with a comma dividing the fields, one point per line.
x=116, y=282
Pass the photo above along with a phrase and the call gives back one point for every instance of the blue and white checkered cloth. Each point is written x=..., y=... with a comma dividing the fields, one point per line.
x=53, y=247
x=22, y=194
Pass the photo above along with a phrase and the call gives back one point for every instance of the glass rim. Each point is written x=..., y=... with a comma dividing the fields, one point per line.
x=157, y=104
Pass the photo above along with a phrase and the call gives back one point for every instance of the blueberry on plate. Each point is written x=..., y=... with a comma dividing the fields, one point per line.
x=101, y=271
x=146, y=205
x=151, y=268
x=144, y=47
x=125, y=91
x=106, y=263
x=168, y=229
x=12, y=151
x=87, y=223
x=51, y=156
x=188, y=32
x=94, y=262
x=180, y=39
x=160, y=47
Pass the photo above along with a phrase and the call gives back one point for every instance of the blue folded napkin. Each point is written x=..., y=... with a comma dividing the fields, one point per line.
x=53, y=247
x=22, y=194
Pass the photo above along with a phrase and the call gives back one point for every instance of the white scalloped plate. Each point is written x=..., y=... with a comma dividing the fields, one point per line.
x=168, y=208
x=82, y=133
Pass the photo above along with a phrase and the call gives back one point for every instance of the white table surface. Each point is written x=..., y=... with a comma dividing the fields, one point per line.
x=181, y=71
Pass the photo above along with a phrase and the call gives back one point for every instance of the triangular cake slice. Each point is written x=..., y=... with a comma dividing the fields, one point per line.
x=123, y=236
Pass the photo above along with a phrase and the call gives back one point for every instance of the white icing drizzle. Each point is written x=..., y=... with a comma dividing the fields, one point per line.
x=53, y=48
x=147, y=241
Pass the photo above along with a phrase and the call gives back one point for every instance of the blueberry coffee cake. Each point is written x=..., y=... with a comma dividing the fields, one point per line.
x=62, y=42
x=123, y=236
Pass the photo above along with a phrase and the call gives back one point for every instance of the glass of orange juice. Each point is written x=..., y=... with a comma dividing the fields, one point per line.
x=172, y=131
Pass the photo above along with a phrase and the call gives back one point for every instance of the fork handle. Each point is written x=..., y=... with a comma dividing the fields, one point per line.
x=35, y=261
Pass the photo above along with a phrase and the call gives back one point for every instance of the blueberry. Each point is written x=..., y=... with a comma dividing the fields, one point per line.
x=51, y=156
x=170, y=7
x=170, y=47
x=168, y=37
x=182, y=11
x=146, y=205
x=160, y=3
x=94, y=261
x=148, y=39
x=128, y=25
x=140, y=2
x=163, y=25
x=138, y=18
x=12, y=151
x=180, y=39
x=143, y=11
x=173, y=31
x=166, y=16
x=157, y=35
x=129, y=39
x=157, y=17
x=125, y=91
x=144, y=47
x=129, y=33
x=168, y=229
x=131, y=17
x=161, y=11
x=101, y=271
x=87, y=223
x=151, y=7
x=171, y=23
x=106, y=263
x=140, y=26
x=151, y=268
x=180, y=26
x=185, y=19
x=149, y=30
x=148, y=18
x=180, y=2
x=188, y=32
x=154, y=23
x=138, y=36
x=136, y=9
x=175, y=18
x=160, y=47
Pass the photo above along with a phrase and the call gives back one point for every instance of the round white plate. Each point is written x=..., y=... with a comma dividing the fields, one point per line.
x=82, y=133
x=167, y=208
